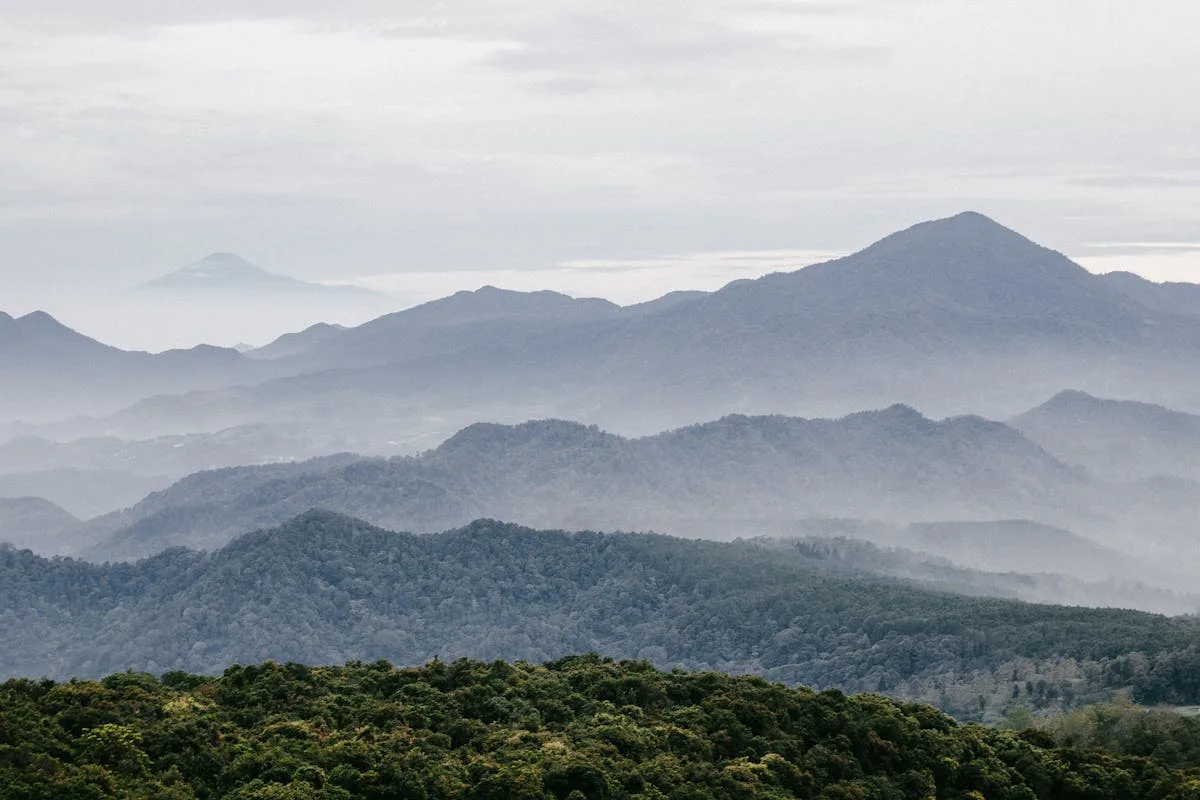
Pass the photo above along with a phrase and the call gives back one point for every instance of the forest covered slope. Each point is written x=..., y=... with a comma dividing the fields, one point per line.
x=581, y=728
x=326, y=588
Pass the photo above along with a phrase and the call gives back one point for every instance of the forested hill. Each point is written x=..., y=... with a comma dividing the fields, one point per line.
x=888, y=464
x=578, y=729
x=326, y=588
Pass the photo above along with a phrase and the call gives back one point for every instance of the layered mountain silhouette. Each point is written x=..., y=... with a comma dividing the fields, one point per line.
x=465, y=319
x=1167, y=297
x=83, y=492
x=96, y=475
x=34, y=523
x=736, y=476
x=49, y=370
x=1020, y=546
x=1119, y=439
x=953, y=315
x=950, y=316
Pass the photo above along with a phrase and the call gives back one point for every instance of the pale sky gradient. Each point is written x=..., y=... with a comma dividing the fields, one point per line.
x=610, y=148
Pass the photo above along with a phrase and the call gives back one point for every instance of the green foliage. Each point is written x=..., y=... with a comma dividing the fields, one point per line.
x=326, y=589
x=1122, y=727
x=581, y=728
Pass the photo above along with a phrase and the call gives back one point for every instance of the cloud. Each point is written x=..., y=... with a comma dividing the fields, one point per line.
x=1134, y=181
x=675, y=43
x=1139, y=248
x=1157, y=261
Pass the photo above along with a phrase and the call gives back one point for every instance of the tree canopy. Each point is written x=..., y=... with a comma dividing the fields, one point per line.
x=326, y=589
x=580, y=728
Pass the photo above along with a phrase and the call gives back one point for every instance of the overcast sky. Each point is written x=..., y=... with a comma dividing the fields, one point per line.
x=601, y=147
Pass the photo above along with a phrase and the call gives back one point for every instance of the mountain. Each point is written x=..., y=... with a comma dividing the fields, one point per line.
x=48, y=370
x=1000, y=566
x=327, y=588
x=37, y=336
x=952, y=315
x=225, y=299
x=83, y=492
x=97, y=475
x=722, y=478
x=34, y=523
x=966, y=270
x=230, y=273
x=465, y=320
x=1168, y=297
x=292, y=344
x=662, y=303
x=1022, y=546
x=1118, y=439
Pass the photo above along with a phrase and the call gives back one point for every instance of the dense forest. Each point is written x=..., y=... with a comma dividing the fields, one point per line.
x=581, y=728
x=327, y=589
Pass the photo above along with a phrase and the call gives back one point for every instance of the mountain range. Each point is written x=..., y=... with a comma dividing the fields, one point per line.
x=49, y=371
x=893, y=464
x=327, y=588
x=737, y=476
x=333, y=494
x=952, y=316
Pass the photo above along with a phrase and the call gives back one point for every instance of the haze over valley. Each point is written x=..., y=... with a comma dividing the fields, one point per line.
x=842, y=400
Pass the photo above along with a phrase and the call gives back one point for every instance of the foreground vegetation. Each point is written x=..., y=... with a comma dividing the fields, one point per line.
x=328, y=589
x=1125, y=728
x=580, y=728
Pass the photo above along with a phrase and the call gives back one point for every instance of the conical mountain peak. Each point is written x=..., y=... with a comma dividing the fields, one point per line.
x=229, y=272
x=964, y=266
x=966, y=242
x=223, y=260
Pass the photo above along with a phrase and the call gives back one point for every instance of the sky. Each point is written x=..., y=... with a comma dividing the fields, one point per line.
x=605, y=147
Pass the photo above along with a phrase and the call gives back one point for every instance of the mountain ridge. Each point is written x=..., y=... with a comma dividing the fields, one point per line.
x=948, y=315
x=1174, y=297
x=327, y=587
x=894, y=463
x=1120, y=439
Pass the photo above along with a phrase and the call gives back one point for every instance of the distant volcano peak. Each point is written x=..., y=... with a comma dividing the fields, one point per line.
x=230, y=272
x=217, y=267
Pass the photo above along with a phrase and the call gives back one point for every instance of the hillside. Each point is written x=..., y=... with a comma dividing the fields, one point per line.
x=1168, y=297
x=35, y=523
x=1019, y=546
x=1135, y=586
x=892, y=464
x=465, y=320
x=1119, y=439
x=580, y=728
x=84, y=493
x=100, y=474
x=48, y=370
x=327, y=588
